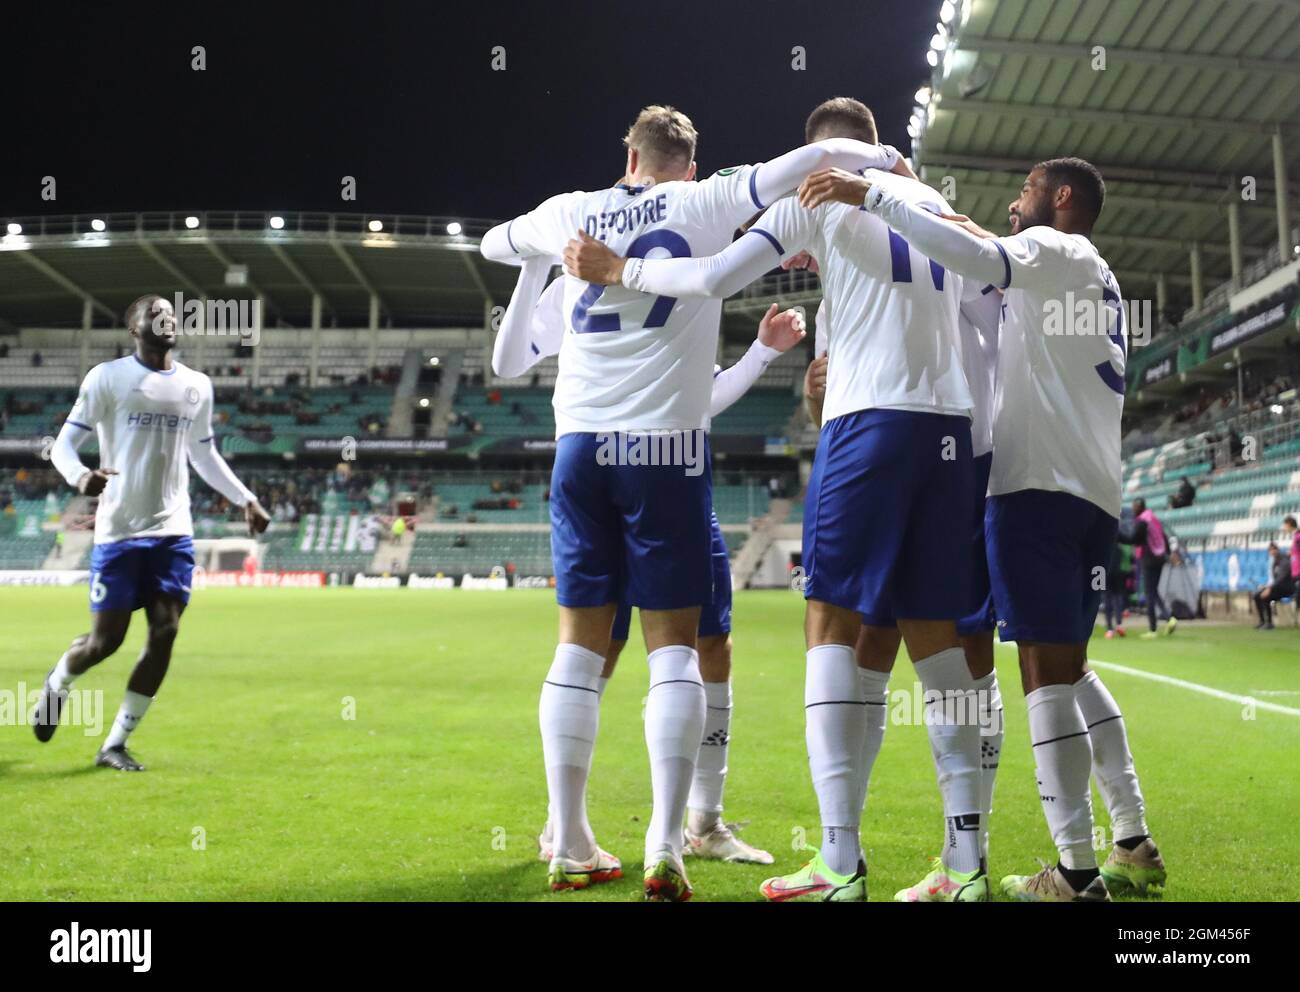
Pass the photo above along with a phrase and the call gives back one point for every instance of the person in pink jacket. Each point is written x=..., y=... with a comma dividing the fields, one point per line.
x=1151, y=551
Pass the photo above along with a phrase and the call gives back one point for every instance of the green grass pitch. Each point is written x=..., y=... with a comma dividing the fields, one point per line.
x=259, y=788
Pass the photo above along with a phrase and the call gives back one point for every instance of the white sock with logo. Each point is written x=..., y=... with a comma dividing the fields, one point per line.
x=705, y=801
x=836, y=727
x=991, y=733
x=952, y=724
x=134, y=707
x=569, y=715
x=1112, y=761
x=1063, y=762
x=674, y=725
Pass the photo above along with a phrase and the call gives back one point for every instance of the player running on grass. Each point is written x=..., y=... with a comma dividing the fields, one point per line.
x=707, y=833
x=897, y=442
x=1054, y=497
x=635, y=364
x=153, y=418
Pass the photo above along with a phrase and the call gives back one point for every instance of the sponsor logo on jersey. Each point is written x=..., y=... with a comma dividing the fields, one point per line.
x=163, y=421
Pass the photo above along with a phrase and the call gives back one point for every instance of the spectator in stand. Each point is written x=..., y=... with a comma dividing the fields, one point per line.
x=1185, y=495
x=1280, y=585
x=1147, y=536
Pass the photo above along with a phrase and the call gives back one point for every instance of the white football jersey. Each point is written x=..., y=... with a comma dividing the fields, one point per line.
x=977, y=323
x=894, y=342
x=145, y=421
x=629, y=360
x=1060, y=375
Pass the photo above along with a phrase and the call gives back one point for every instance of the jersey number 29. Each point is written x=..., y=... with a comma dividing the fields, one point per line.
x=586, y=323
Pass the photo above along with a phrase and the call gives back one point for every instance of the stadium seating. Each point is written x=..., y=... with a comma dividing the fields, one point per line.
x=1236, y=509
x=479, y=551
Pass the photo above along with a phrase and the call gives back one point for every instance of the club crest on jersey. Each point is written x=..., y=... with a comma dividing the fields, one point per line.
x=191, y=396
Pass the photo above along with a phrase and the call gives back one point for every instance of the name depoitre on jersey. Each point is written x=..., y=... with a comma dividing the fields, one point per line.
x=640, y=214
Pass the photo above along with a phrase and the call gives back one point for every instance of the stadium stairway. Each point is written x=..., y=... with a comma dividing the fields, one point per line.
x=76, y=549
x=441, y=415
x=392, y=557
x=761, y=537
x=399, y=417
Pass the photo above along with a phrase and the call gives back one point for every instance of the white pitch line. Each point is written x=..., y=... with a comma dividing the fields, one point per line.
x=1232, y=697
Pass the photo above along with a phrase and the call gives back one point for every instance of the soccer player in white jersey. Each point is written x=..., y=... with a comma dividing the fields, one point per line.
x=153, y=418
x=893, y=458
x=1054, y=496
x=877, y=646
x=634, y=364
x=707, y=833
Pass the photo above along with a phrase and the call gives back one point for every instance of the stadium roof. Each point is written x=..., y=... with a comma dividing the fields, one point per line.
x=417, y=273
x=1176, y=102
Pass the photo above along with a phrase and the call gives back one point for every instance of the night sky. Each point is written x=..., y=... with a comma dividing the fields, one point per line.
x=402, y=96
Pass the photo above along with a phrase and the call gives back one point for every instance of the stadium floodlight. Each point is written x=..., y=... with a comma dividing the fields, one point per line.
x=277, y=223
x=912, y=130
x=191, y=222
x=1277, y=409
x=97, y=225
x=923, y=96
x=947, y=12
x=15, y=229
x=932, y=57
x=454, y=228
x=424, y=402
x=940, y=40
x=376, y=226
x=434, y=361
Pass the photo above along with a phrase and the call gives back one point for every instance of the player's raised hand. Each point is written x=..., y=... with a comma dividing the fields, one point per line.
x=833, y=185
x=801, y=260
x=814, y=380
x=257, y=518
x=94, y=481
x=781, y=331
x=592, y=261
x=964, y=222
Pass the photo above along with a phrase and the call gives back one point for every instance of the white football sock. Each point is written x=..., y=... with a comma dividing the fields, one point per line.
x=1063, y=760
x=134, y=707
x=60, y=678
x=991, y=733
x=836, y=730
x=952, y=724
x=674, y=725
x=873, y=689
x=548, y=831
x=842, y=849
x=705, y=801
x=569, y=715
x=1112, y=761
